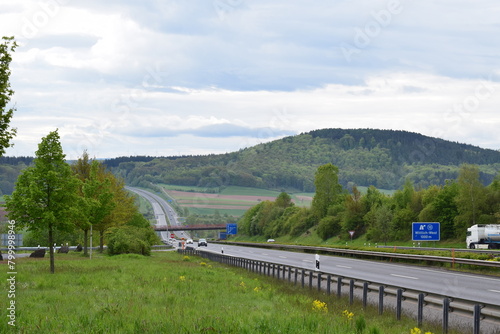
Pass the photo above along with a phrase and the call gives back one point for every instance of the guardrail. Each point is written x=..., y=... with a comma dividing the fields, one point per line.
x=372, y=254
x=335, y=284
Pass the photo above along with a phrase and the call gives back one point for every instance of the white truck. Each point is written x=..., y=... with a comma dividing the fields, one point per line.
x=488, y=235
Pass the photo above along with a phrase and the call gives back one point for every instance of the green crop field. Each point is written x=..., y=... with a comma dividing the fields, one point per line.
x=171, y=293
x=232, y=200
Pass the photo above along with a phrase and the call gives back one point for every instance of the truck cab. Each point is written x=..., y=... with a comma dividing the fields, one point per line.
x=488, y=235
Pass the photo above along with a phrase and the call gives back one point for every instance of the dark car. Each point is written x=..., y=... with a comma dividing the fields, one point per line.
x=202, y=242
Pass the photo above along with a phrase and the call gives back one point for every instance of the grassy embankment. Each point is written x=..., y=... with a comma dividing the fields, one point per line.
x=169, y=293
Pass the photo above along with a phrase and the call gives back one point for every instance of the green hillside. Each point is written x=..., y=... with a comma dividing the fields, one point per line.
x=382, y=158
x=10, y=168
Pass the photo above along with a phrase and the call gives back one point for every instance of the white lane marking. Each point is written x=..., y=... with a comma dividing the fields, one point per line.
x=265, y=254
x=340, y=266
x=402, y=276
x=283, y=257
x=463, y=275
x=498, y=291
x=307, y=261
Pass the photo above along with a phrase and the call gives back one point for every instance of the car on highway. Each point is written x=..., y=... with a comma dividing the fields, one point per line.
x=189, y=241
x=202, y=242
x=270, y=240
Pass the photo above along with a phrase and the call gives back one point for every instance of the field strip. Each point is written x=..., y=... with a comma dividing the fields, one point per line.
x=187, y=194
x=216, y=206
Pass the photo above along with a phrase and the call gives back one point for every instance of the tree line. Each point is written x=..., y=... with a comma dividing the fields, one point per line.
x=457, y=205
x=54, y=200
x=382, y=158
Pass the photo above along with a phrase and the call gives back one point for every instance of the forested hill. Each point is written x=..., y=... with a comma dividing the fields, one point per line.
x=410, y=147
x=383, y=158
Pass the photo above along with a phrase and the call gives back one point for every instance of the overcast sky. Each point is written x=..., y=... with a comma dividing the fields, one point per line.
x=165, y=77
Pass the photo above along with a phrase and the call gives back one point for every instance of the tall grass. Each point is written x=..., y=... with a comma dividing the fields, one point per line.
x=171, y=293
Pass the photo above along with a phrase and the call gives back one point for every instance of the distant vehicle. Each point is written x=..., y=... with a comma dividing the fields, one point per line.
x=488, y=235
x=202, y=242
x=189, y=241
x=270, y=240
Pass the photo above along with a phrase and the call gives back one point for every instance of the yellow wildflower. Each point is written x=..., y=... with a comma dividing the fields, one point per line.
x=319, y=306
x=348, y=315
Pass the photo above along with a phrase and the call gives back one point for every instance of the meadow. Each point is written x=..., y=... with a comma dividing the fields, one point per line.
x=171, y=293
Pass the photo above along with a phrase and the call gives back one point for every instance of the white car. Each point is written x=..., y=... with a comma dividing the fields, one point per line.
x=189, y=241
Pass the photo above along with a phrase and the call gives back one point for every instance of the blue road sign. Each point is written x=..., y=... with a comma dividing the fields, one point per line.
x=425, y=232
x=231, y=228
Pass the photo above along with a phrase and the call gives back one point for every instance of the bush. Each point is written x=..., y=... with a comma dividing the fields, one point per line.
x=328, y=227
x=130, y=239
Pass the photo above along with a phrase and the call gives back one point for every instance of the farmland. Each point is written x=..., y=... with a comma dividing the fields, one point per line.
x=232, y=200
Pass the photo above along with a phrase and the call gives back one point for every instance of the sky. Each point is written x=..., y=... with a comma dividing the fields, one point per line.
x=188, y=77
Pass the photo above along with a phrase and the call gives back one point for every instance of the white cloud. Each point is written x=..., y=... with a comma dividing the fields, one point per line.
x=113, y=76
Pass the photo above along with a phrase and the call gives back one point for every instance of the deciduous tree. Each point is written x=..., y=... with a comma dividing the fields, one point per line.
x=7, y=47
x=46, y=194
x=470, y=199
x=98, y=195
x=123, y=210
x=328, y=190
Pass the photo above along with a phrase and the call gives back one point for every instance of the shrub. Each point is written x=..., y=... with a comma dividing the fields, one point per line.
x=130, y=239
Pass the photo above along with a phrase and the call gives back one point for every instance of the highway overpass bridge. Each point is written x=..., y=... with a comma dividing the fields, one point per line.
x=190, y=227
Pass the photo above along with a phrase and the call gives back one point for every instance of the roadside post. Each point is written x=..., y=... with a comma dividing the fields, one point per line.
x=317, y=261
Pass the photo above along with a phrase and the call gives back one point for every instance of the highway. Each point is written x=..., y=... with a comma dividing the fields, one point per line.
x=473, y=287
x=162, y=211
